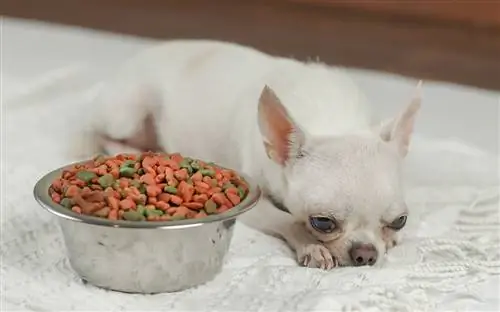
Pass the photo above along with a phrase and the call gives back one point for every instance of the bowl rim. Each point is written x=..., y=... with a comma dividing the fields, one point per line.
x=41, y=194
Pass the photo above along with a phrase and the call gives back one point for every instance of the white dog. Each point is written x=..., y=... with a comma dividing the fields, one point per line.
x=331, y=178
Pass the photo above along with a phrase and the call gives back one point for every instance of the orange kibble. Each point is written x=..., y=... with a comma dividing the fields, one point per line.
x=186, y=191
x=200, y=190
x=181, y=174
x=165, y=218
x=202, y=185
x=172, y=182
x=96, y=187
x=176, y=200
x=172, y=210
x=123, y=183
x=76, y=209
x=153, y=190
x=57, y=185
x=200, y=198
x=127, y=204
x=149, y=162
x=219, y=198
x=214, y=190
x=78, y=182
x=235, y=199
x=113, y=202
x=222, y=208
x=194, y=205
x=85, y=191
x=150, y=170
x=226, y=174
x=160, y=178
x=133, y=191
x=72, y=191
x=169, y=173
x=152, y=200
x=160, y=169
x=162, y=205
x=164, y=197
x=182, y=211
x=148, y=178
x=232, y=190
x=113, y=214
x=177, y=157
x=172, y=164
x=115, y=173
x=197, y=177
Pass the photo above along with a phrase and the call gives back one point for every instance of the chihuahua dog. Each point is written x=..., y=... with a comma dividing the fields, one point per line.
x=331, y=177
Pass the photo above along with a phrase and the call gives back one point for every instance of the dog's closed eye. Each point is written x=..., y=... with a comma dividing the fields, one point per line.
x=398, y=223
x=323, y=224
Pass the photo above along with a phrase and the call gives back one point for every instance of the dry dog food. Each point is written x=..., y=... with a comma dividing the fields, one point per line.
x=150, y=186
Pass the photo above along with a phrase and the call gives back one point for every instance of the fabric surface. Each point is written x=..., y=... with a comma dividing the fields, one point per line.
x=449, y=258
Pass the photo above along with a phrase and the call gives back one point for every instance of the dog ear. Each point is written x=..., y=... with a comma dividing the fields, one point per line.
x=283, y=138
x=400, y=129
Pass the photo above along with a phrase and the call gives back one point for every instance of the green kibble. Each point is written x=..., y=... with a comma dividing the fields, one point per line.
x=116, y=186
x=170, y=189
x=141, y=171
x=128, y=163
x=177, y=217
x=135, y=183
x=99, y=159
x=142, y=189
x=66, y=202
x=208, y=172
x=132, y=215
x=185, y=164
x=210, y=206
x=141, y=209
x=106, y=180
x=153, y=212
x=227, y=186
x=189, y=181
x=241, y=192
x=127, y=172
x=86, y=176
x=195, y=165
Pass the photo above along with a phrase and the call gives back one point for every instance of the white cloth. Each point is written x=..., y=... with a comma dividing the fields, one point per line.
x=449, y=258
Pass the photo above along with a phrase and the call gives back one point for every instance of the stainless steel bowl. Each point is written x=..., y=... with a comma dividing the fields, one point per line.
x=145, y=257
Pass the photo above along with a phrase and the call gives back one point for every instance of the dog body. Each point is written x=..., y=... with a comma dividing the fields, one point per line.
x=301, y=130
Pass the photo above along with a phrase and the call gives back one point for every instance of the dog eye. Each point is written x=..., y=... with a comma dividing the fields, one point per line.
x=398, y=223
x=322, y=224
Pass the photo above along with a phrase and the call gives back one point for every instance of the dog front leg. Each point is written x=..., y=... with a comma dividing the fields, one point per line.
x=267, y=218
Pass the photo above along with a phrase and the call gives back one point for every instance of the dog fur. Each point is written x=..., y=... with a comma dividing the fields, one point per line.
x=303, y=131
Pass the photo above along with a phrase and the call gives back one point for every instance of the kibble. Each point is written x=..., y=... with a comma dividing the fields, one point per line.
x=148, y=187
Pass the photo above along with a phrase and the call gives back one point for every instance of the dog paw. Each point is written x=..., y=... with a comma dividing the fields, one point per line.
x=316, y=256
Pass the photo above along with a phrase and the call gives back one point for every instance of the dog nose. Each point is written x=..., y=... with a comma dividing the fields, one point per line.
x=363, y=254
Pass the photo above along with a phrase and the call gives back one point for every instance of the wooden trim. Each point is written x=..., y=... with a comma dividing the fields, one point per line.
x=438, y=46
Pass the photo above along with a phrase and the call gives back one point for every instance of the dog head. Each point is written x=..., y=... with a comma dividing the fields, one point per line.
x=346, y=189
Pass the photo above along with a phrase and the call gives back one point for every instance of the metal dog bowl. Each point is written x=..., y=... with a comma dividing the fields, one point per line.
x=145, y=257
